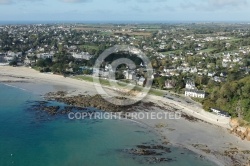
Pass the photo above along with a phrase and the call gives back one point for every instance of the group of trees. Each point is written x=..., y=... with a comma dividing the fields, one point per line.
x=61, y=64
x=14, y=62
x=231, y=96
x=179, y=82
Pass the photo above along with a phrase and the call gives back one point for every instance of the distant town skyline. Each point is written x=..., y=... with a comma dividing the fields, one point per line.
x=124, y=10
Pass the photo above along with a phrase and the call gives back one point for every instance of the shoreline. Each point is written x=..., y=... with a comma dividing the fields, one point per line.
x=202, y=136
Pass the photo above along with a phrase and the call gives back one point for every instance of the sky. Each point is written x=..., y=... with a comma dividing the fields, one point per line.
x=125, y=10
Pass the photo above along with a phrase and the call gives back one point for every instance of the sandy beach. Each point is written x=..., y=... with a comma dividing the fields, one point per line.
x=209, y=136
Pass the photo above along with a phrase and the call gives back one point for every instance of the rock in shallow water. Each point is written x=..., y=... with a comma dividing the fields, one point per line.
x=149, y=153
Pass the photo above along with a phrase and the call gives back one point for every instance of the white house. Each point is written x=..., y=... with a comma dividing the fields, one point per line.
x=82, y=55
x=129, y=75
x=192, y=91
x=195, y=93
x=223, y=74
x=141, y=81
x=237, y=59
x=169, y=84
x=217, y=79
x=190, y=85
x=170, y=69
x=108, y=67
x=11, y=55
x=211, y=74
x=194, y=70
x=45, y=56
x=227, y=58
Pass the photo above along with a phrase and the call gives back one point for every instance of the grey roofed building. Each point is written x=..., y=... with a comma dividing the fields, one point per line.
x=2, y=57
x=220, y=112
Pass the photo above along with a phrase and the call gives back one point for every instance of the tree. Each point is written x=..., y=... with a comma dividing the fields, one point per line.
x=208, y=104
x=239, y=110
x=41, y=63
x=160, y=82
x=233, y=75
x=13, y=63
x=155, y=63
x=225, y=91
x=119, y=75
x=33, y=58
x=232, y=97
x=87, y=72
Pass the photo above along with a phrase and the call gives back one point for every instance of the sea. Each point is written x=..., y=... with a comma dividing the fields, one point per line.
x=29, y=140
x=99, y=22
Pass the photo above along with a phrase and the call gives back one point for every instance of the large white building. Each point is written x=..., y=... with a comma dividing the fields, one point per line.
x=129, y=75
x=82, y=55
x=195, y=93
x=11, y=55
x=192, y=91
x=45, y=55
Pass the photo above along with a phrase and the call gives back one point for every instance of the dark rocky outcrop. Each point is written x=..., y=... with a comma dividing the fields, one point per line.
x=151, y=154
x=44, y=110
x=98, y=102
x=189, y=118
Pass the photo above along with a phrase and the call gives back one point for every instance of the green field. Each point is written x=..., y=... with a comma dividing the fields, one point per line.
x=106, y=33
x=171, y=52
x=94, y=47
x=105, y=82
x=208, y=50
x=233, y=39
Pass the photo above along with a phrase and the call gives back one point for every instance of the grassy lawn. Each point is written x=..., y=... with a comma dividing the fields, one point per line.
x=85, y=78
x=106, y=33
x=89, y=47
x=171, y=52
x=208, y=50
x=198, y=100
x=233, y=39
x=149, y=27
x=102, y=81
x=120, y=84
x=139, y=37
x=36, y=68
x=156, y=92
x=144, y=33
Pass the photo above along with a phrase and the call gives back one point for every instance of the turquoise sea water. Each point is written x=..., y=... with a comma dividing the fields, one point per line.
x=26, y=140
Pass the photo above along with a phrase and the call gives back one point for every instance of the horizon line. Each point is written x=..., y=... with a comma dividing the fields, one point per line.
x=5, y=22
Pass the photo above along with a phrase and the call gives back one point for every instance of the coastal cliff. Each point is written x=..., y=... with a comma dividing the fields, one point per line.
x=241, y=131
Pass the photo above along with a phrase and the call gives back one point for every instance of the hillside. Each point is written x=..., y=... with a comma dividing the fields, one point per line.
x=233, y=97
